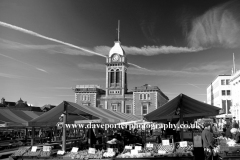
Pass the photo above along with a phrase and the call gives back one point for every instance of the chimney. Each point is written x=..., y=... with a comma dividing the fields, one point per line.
x=3, y=101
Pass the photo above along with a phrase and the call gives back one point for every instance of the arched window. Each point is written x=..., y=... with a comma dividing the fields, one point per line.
x=117, y=76
x=112, y=76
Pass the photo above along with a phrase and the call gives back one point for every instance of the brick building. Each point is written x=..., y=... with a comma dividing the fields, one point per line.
x=19, y=105
x=140, y=101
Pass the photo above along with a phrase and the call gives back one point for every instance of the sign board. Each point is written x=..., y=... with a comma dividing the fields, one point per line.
x=139, y=148
x=74, y=149
x=110, y=149
x=183, y=144
x=134, y=152
x=34, y=149
x=197, y=141
x=149, y=145
x=161, y=152
x=165, y=142
x=47, y=148
x=92, y=151
x=128, y=147
x=60, y=152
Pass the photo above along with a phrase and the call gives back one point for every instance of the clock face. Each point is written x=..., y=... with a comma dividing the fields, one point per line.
x=115, y=57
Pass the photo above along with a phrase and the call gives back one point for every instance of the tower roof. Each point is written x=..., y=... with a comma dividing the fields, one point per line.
x=117, y=49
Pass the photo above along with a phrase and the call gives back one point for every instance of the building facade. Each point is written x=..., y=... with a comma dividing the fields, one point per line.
x=219, y=93
x=140, y=101
x=235, y=84
x=19, y=105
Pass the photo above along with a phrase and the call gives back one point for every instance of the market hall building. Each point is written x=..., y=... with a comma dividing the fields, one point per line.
x=140, y=101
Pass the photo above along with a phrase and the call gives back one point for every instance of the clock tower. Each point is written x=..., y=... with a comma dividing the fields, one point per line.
x=116, y=77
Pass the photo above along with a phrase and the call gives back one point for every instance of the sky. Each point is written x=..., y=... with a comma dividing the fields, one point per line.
x=49, y=47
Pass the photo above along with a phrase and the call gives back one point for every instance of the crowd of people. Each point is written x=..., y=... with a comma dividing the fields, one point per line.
x=230, y=129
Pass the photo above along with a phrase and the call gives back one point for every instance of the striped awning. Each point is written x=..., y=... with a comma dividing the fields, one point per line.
x=105, y=115
x=10, y=117
x=84, y=114
x=187, y=106
x=52, y=117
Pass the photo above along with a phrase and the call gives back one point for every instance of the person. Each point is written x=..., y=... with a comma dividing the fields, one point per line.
x=214, y=128
x=228, y=133
x=208, y=142
x=234, y=123
x=91, y=137
x=235, y=135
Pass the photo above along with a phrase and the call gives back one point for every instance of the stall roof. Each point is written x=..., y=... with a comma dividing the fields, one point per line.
x=106, y=116
x=190, y=108
x=16, y=117
x=52, y=117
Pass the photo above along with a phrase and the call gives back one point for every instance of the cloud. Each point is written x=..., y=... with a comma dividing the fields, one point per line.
x=149, y=50
x=137, y=71
x=89, y=79
x=29, y=32
x=65, y=95
x=42, y=70
x=217, y=67
x=52, y=49
x=103, y=50
x=59, y=88
x=218, y=27
x=94, y=66
x=11, y=76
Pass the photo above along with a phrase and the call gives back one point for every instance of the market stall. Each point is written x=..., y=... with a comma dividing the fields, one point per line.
x=10, y=117
x=181, y=109
x=166, y=149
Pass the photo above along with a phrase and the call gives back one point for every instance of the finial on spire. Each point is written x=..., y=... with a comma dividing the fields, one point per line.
x=118, y=30
x=234, y=69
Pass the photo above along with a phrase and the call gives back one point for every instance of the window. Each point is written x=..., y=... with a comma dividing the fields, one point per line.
x=144, y=109
x=85, y=97
x=223, y=82
x=112, y=76
x=224, y=106
x=128, y=109
x=223, y=93
x=228, y=92
x=100, y=106
x=227, y=82
x=117, y=76
x=125, y=77
x=229, y=104
x=114, y=107
x=144, y=96
x=114, y=92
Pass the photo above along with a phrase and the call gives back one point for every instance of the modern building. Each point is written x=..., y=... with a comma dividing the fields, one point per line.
x=219, y=93
x=140, y=101
x=235, y=83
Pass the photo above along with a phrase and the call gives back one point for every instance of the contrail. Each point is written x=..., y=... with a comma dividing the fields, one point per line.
x=55, y=40
x=138, y=66
x=42, y=70
x=194, y=85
